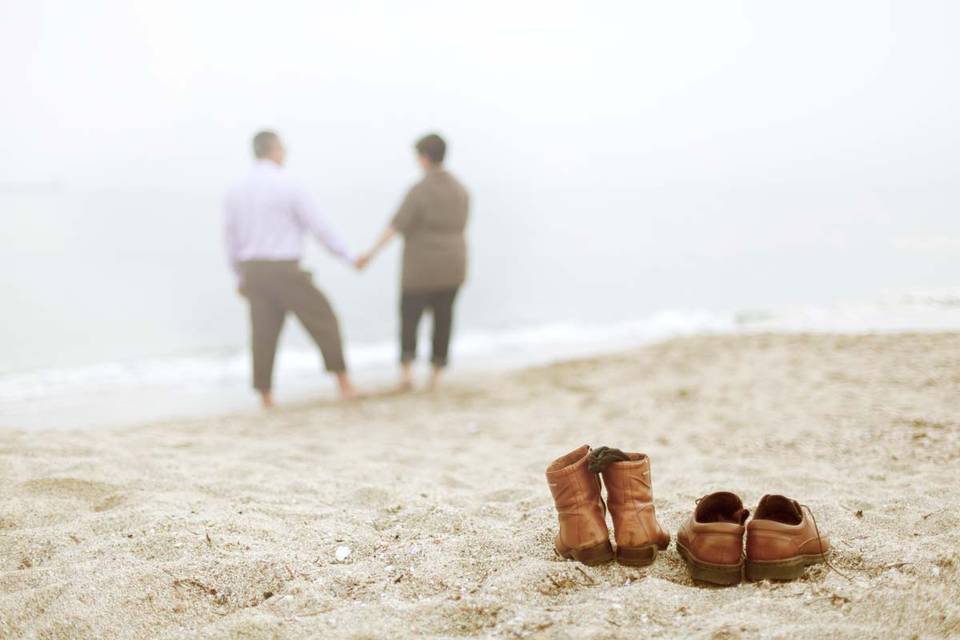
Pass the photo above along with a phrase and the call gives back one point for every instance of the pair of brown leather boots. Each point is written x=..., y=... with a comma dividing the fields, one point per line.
x=574, y=481
x=781, y=540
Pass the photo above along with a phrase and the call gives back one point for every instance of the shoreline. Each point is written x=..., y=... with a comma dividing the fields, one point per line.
x=232, y=525
x=207, y=386
x=207, y=383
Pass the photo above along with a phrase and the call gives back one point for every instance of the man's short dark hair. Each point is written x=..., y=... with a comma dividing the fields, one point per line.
x=263, y=143
x=433, y=147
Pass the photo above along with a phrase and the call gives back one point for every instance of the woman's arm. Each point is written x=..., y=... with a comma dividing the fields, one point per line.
x=402, y=221
x=381, y=242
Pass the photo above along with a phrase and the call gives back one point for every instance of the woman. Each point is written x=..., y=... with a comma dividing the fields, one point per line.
x=432, y=220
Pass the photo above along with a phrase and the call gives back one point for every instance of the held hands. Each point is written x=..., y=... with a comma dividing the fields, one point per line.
x=362, y=261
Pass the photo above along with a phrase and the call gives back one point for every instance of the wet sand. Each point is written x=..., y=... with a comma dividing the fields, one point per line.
x=427, y=515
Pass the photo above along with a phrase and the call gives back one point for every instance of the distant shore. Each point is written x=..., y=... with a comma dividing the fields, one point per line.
x=428, y=515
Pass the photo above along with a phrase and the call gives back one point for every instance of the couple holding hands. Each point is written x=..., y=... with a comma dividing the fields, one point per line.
x=267, y=216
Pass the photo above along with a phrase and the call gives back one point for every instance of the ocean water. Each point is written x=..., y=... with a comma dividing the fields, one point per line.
x=118, y=306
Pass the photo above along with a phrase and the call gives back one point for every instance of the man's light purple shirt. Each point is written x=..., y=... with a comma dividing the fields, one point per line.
x=267, y=216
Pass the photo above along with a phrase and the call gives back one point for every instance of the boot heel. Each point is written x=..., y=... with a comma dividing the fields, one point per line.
x=637, y=556
x=594, y=555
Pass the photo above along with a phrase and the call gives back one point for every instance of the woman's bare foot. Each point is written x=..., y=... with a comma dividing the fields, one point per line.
x=435, y=378
x=406, y=378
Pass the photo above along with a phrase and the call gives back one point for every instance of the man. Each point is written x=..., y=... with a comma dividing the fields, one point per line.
x=267, y=216
x=432, y=220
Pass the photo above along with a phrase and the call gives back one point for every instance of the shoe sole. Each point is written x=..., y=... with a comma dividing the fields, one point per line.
x=637, y=556
x=788, y=569
x=591, y=556
x=721, y=574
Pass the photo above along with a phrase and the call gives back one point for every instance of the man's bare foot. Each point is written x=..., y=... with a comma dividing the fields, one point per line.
x=266, y=400
x=347, y=391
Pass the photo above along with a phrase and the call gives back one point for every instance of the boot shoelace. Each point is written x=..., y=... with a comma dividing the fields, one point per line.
x=823, y=554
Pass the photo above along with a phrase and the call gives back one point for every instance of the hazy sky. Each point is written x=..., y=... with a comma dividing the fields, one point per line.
x=583, y=94
x=623, y=157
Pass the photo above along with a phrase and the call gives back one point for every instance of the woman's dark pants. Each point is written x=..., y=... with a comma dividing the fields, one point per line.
x=412, y=306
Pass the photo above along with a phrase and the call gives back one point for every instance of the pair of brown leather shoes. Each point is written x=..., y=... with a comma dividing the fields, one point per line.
x=782, y=539
x=575, y=483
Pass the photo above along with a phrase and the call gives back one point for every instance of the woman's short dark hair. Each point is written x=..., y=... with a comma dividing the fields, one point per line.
x=433, y=147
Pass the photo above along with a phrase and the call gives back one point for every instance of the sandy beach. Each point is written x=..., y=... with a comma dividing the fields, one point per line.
x=427, y=515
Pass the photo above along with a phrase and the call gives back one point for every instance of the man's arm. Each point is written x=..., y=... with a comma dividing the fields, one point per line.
x=310, y=217
x=231, y=242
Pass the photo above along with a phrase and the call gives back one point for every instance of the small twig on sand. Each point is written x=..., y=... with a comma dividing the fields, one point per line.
x=190, y=582
x=587, y=576
x=834, y=598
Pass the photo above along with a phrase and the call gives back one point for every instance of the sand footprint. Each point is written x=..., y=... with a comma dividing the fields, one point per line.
x=452, y=482
x=506, y=495
x=371, y=496
x=101, y=495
